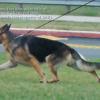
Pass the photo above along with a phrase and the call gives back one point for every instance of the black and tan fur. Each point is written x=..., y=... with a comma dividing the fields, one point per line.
x=31, y=50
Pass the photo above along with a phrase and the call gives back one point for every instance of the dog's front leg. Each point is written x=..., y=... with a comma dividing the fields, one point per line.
x=38, y=69
x=7, y=65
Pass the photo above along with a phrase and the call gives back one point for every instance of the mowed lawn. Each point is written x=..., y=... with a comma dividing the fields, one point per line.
x=22, y=83
x=60, y=25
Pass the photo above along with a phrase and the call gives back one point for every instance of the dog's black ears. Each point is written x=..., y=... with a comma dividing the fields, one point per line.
x=5, y=28
x=9, y=26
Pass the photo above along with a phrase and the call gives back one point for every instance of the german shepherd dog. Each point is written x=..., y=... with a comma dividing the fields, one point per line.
x=28, y=49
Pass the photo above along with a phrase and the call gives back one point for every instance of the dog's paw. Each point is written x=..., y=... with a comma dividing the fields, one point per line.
x=41, y=81
x=52, y=81
x=98, y=80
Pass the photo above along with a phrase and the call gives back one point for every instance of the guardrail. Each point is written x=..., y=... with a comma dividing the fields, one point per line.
x=54, y=2
x=22, y=10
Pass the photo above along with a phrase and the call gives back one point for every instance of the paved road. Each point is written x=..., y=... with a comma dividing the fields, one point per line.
x=89, y=48
x=51, y=17
x=1, y=49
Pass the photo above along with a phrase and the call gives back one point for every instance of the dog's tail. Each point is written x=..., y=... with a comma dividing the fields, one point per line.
x=80, y=63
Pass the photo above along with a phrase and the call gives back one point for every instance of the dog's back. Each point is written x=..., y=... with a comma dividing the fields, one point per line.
x=41, y=47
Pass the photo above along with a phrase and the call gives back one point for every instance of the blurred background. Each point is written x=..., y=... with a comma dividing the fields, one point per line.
x=33, y=13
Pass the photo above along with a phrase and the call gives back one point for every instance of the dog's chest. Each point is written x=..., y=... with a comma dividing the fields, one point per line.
x=19, y=54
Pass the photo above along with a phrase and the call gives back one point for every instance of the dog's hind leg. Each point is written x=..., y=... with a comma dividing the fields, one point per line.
x=54, y=73
x=95, y=74
x=51, y=64
x=38, y=69
x=7, y=65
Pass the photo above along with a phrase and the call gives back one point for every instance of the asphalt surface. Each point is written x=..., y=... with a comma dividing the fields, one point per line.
x=89, y=48
x=1, y=49
x=51, y=17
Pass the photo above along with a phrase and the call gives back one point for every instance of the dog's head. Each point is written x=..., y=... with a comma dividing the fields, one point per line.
x=3, y=31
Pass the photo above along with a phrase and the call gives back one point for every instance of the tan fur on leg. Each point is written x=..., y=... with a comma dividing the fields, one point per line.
x=53, y=70
x=54, y=74
x=7, y=65
x=95, y=74
x=38, y=69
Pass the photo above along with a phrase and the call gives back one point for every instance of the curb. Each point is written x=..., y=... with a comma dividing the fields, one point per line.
x=57, y=33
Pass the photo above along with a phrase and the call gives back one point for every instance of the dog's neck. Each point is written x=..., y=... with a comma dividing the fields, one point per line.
x=6, y=40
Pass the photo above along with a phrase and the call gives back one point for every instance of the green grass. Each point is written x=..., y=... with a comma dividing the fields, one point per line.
x=53, y=25
x=50, y=9
x=22, y=83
